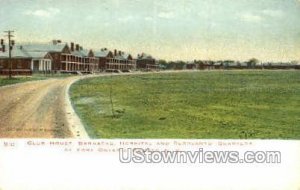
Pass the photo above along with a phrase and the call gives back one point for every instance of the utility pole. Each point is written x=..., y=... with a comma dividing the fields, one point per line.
x=10, y=45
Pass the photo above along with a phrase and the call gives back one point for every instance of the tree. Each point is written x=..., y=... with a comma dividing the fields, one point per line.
x=162, y=62
x=252, y=62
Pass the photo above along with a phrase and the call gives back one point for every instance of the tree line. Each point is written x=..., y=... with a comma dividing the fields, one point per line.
x=178, y=65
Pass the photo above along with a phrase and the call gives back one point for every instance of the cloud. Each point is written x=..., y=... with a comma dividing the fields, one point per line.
x=126, y=18
x=148, y=18
x=273, y=13
x=90, y=18
x=258, y=16
x=166, y=15
x=46, y=13
x=250, y=17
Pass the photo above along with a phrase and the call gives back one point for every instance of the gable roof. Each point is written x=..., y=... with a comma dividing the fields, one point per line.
x=123, y=56
x=15, y=53
x=81, y=53
x=126, y=55
x=85, y=52
x=103, y=53
x=144, y=56
x=120, y=57
x=36, y=55
x=78, y=53
x=49, y=47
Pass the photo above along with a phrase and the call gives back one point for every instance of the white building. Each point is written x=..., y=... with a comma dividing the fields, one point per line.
x=40, y=62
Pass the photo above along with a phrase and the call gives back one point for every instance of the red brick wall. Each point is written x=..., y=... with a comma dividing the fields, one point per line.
x=21, y=63
x=21, y=66
x=142, y=63
x=56, y=61
x=101, y=63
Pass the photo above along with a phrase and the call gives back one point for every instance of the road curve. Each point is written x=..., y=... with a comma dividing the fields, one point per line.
x=39, y=109
x=42, y=109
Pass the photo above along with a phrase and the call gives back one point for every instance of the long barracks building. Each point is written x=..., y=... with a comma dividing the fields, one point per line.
x=63, y=58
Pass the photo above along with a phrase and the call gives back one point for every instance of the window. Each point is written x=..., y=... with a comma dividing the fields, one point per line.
x=19, y=64
x=56, y=56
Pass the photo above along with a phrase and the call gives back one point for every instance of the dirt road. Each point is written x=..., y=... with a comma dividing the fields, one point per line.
x=42, y=109
x=35, y=109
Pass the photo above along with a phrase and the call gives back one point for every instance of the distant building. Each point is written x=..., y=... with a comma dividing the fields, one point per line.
x=20, y=62
x=121, y=61
x=218, y=65
x=82, y=60
x=69, y=58
x=40, y=62
x=49, y=57
x=279, y=65
x=58, y=53
x=206, y=65
x=104, y=56
x=145, y=61
x=191, y=65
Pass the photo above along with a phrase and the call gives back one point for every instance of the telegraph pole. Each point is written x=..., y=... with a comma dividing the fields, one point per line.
x=10, y=45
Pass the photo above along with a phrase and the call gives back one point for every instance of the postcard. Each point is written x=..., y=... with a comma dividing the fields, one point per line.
x=149, y=94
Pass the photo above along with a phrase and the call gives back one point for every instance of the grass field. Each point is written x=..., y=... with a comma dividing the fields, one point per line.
x=4, y=80
x=217, y=104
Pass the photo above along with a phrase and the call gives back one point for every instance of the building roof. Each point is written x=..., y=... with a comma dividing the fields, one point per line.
x=144, y=56
x=102, y=53
x=244, y=64
x=120, y=57
x=77, y=53
x=81, y=53
x=85, y=52
x=15, y=53
x=39, y=54
x=126, y=55
x=218, y=63
x=49, y=47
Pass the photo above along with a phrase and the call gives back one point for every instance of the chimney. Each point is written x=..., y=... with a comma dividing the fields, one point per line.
x=58, y=41
x=54, y=42
x=72, y=46
x=77, y=47
x=80, y=47
x=120, y=53
x=115, y=52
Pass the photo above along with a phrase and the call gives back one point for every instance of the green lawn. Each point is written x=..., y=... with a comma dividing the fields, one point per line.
x=4, y=80
x=218, y=104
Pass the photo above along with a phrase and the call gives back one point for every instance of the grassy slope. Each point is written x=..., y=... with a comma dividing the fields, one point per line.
x=231, y=104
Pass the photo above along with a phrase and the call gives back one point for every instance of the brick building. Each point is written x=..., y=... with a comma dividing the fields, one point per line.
x=145, y=61
x=121, y=61
x=50, y=57
x=20, y=62
x=104, y=57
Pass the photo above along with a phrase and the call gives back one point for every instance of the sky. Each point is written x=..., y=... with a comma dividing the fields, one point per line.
x=268, y=30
